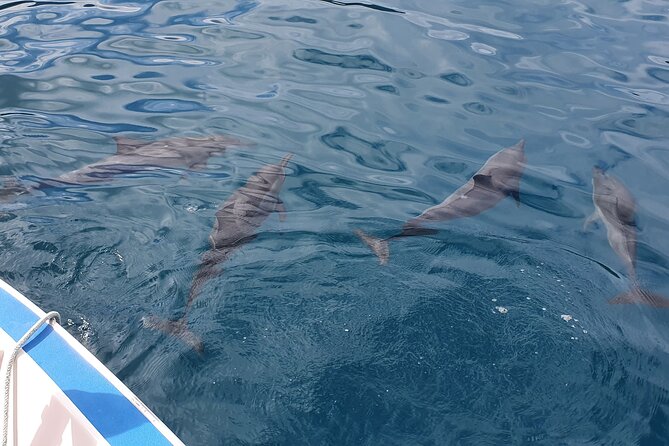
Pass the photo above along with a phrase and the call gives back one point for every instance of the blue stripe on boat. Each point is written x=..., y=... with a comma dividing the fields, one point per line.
x=108, y=410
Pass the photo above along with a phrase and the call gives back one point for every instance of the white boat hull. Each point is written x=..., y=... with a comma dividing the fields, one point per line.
x=61, y=394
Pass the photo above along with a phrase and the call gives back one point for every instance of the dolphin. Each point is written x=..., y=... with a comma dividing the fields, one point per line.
x=138, y=155
x=498, y=178
x=237, y=220
x=615, y=206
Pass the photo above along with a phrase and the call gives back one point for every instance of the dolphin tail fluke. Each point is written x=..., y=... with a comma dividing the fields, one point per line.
x=285, y=159
x=637, y=295
x=177, y=329
x=379, y=246
x=12, y=188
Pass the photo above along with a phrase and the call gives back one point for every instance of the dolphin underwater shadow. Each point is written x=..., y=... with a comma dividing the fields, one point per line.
x=615, y=206
x=498, y=178
x=237, y=220
x=136, y=156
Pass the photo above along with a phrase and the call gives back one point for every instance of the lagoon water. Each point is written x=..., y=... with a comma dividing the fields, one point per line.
x=494, y=331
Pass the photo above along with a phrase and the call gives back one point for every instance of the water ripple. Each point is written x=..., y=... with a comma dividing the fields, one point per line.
x=377, y=155
x=164, y=106
x=47, y=120
x=361, y=62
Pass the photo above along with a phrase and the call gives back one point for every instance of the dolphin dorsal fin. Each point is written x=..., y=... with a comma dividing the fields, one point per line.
x=127, y=146
x=484, y=181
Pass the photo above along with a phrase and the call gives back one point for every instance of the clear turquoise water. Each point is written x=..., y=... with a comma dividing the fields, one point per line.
x=388, y=108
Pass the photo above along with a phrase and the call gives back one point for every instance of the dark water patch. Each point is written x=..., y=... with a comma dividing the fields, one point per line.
x=615, y=75
x=50, y=269
x=32, y=4
x=176, y=38
x=197, y=84
x=377, y=155
x=654, y=18
x=411, y=74
x=551, y=189
x=457, y=79
x=360, y=62
x=364, y=5
x=388, y=89
x=148, y=75
x=477, y=108
x=45, y=246
x=554, y=205
x=296, y=19
x=447, y=166
x=165, y=106
x=314, y=192
x=659, y=74
x=103, y=77
x=436, y=100
x=12, y=88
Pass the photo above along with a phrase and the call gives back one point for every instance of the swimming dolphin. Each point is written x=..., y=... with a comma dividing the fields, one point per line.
x=237, y=220
x=135, y=155
x=614, y=205
x=138, y=155
x=498, y=178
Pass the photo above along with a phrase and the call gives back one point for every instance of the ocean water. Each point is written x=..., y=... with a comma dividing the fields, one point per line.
x=494, y=331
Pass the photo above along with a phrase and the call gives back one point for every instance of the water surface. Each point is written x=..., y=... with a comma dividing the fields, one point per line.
x=388, y=108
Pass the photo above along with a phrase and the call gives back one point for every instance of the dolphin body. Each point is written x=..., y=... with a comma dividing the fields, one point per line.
x=237, y=220
x=498, y=178
x=136, y=156
x=614, y=205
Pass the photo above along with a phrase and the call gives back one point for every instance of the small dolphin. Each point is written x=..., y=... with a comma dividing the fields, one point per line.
x=498, y=178
x=614, y=205
x=136, y=156
x=237, y=220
